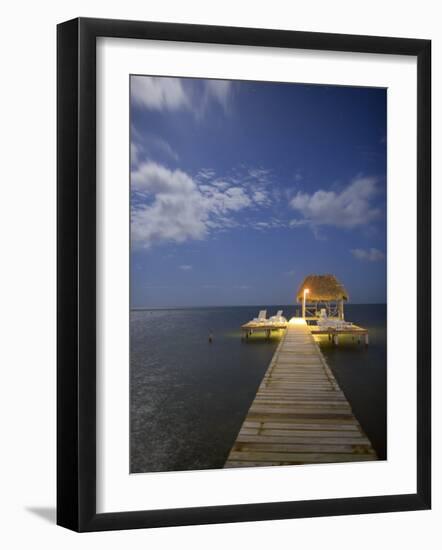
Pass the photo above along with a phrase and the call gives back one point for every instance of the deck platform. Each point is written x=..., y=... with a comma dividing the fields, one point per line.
x=333, y=333
x=299, y=414
x=251, y=327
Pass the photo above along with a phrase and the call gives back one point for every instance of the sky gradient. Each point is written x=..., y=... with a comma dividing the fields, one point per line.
x=241, y=189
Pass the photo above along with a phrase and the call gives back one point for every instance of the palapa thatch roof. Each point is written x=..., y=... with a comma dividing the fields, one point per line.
x=322, y=288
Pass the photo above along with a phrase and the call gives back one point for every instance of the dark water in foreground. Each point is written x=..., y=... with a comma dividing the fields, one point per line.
x=189, y=397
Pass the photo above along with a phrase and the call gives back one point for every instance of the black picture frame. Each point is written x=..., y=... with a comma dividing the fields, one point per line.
x=77, y=287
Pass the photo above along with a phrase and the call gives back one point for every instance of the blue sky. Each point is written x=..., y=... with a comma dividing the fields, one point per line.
x=240, y=189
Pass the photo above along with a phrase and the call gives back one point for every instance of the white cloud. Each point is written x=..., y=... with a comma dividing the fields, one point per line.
x=234, y=198
x=153, y=178
x=172, y=206
x=169, y=218
x=159, y=93
x=370, y=255
x=186, y=267
x=176, y=212
x=261, y=197
x=168, y=93
x=348, y=208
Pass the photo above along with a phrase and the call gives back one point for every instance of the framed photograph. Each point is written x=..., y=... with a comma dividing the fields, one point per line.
x=243, y=274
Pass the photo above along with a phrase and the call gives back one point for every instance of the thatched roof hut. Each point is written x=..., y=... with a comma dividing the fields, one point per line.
x=322, y=288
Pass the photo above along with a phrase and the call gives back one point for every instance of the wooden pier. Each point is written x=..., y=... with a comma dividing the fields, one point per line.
x=299, y=414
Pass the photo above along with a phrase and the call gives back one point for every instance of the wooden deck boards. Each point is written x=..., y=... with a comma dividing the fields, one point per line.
x=299, y=414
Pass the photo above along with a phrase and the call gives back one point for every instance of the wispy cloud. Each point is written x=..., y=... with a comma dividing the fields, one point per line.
x=172, y=94
x=349, y=208
x=134, y=154
x=261, y=175
x=270, y=223
x=220, y=91
x=369, y=255
x=145, y=146
x=186, y=267
x=154, y=145
x=206, y=174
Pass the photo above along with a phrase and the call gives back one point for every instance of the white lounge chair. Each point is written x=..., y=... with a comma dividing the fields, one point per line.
x=324, y=321
x=337, y=324
x=261, y=317
x=278, y=318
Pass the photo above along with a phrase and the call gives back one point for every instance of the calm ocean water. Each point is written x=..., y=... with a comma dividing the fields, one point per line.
x=189, y=397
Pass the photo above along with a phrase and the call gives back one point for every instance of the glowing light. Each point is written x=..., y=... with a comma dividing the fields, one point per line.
x=297, y=321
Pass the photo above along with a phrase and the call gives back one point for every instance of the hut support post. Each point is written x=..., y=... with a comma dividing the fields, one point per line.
x=341, y=309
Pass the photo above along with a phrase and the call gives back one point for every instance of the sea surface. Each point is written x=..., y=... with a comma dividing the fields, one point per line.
x=189, y=396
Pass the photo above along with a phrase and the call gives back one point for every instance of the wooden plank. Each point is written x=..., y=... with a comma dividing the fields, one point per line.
x=293, y=385
x=329, y=390
x=242, y=464
x=296, y=376
x=304, y=405
x=299, y=458
x=303, y=415
x=289, y=405
x=312, y=401
x=348, y=420
x=301, y=393
x=284, y=447
x=323, y=441
x=299, y=426
x=299, y=433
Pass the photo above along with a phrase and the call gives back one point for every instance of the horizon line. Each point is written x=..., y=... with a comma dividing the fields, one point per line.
x=134, y=308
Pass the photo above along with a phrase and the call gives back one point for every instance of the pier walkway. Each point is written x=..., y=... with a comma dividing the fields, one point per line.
x=299, y=414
